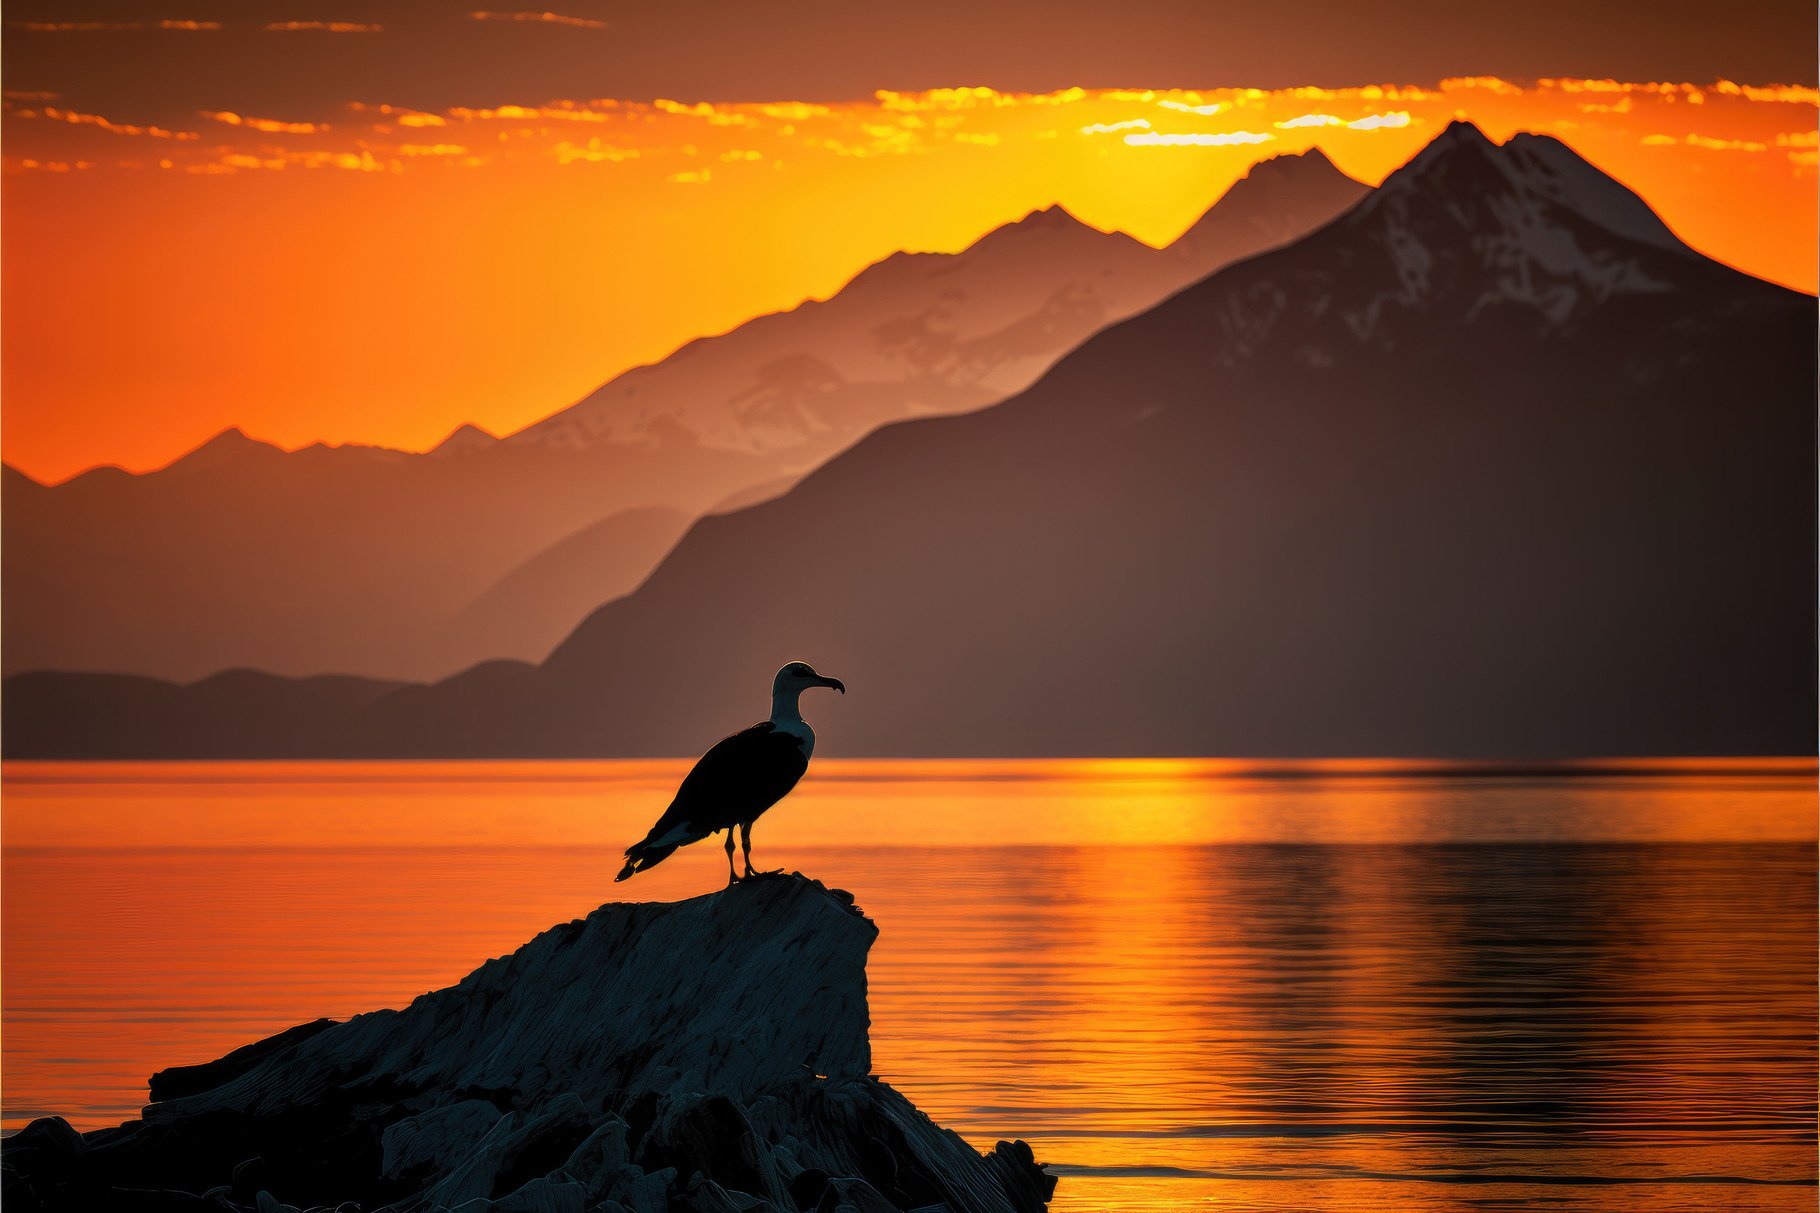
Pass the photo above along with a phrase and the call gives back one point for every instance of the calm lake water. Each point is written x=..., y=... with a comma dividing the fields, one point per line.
x=1320, y=985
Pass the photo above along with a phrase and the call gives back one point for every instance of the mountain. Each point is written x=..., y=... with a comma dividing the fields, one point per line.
x=538, y=602
x=1491, y=466
x=1280, y=201
x=370, y=561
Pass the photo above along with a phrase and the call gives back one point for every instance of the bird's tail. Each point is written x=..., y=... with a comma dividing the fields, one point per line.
x=639, y=857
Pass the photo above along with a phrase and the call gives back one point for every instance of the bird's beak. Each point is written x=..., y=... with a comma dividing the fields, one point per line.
x=836, y=683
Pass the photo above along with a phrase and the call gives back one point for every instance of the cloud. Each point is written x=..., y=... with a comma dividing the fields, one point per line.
x=1183, y=107
x=1378, y=122
x=694, y=177
x=432, y=149
x=1490, y=84
x=594, y=152
x=270, y=126
x=330, y=27
x=1799, y=139
x=96, y=120
x=1797, y=94
x=557, y=111
x=1195, y=139
x=1112, y=128
x=544, y=18
x=793, y=111
x=1395, y=120
x=1707, y=142
x=716, y=115
x=400, y=115
x=363, y=161
x=84, y=27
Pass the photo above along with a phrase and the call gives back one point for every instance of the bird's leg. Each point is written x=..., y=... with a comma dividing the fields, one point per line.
x=731, y=878
x=745, y=840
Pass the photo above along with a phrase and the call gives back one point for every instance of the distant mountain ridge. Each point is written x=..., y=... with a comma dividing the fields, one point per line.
x=1492, y=466
x=377, y=562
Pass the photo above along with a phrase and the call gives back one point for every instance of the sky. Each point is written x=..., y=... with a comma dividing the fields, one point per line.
x=373, y=222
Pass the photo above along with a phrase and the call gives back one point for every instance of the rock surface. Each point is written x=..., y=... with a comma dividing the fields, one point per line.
x=704, y=1056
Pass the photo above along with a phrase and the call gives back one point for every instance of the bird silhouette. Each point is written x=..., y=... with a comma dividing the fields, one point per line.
x=739, y=778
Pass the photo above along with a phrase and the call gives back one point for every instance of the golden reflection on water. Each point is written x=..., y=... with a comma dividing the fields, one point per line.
x=855, y=802
x=1325, y=985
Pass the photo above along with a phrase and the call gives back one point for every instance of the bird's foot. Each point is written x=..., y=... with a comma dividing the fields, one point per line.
x=752, y=875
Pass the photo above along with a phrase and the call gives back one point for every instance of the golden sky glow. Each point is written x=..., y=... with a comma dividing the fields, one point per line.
x=385, y=274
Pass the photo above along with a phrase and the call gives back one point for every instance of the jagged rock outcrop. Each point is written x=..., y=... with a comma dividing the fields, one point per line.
x=704, y=1056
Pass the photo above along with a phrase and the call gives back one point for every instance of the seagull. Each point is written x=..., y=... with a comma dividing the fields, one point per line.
x=741, y=777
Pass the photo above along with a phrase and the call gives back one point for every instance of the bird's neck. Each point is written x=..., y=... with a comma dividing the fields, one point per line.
x=784, y=709
x=786, y=717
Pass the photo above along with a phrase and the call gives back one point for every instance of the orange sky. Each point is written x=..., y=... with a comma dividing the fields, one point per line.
x=387, y=274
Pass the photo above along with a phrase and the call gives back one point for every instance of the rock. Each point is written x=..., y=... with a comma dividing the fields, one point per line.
x=249, y=1178
x=807, y=1188
x=862, y=1128
x=437, y=1139
x=50, y=1134
x=544, y=1196
x=648, y=1193
x=705, y=1056
x=178, y=1081
x=473, y=1177
x=1028, y=1185
x=596, y=1160
x=710, y=1135
x=852, y=1196
x=703, y=1195
x=517, y=1150
x=751, y=986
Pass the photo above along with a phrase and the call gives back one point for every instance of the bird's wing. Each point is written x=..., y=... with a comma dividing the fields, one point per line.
x=737, y=779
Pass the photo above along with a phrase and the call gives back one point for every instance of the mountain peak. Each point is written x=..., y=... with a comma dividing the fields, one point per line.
x=232, y=436
x=1313, y=160
x=464, y=438
x=1279, y=199
x=1491, y=186
x=1464, y=132
x=1051, y=220
x=229, y=445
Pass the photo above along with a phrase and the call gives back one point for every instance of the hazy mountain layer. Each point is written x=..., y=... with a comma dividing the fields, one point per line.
x=381, y=563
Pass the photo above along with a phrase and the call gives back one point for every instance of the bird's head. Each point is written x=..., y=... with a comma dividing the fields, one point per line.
x=800, y=676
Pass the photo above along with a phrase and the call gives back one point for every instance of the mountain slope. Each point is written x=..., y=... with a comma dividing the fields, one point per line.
x=938, y=332
x=538, y=602
x=365, y=560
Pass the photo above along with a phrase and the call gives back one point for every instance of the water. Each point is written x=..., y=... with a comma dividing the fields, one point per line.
x=1327, y=985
